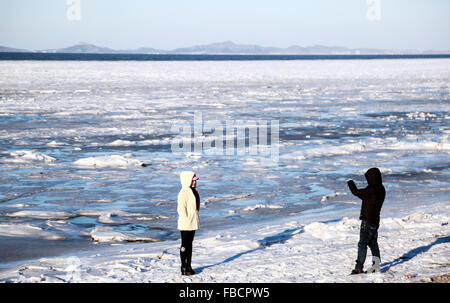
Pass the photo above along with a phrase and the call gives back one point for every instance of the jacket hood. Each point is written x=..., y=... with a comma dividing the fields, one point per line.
x=186, y=178
x=373, y=176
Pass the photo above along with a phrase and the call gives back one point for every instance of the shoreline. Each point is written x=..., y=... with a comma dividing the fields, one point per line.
x=303, y=242
x=31, y=249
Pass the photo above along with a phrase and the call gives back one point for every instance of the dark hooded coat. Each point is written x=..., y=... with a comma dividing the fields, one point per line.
x=372, y=196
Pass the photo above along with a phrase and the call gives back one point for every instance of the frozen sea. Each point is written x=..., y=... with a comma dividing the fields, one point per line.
x=74, y=136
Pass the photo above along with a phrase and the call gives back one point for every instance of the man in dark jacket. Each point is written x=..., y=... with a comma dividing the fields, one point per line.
x=372, y=200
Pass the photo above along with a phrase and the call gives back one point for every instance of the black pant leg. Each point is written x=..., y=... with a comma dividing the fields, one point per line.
x=364, y=238
x=373, y=244
x=187, y=237
x=184, y=248
x=189, y=251
x=368, y=237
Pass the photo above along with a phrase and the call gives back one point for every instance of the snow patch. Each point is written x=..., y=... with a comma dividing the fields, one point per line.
x=328, y=231
x=419, y=216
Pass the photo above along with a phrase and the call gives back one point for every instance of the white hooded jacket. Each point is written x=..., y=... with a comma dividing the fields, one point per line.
x=187, y=207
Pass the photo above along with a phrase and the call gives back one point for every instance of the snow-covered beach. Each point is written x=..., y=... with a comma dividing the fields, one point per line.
x=86, y=164
x=414, y=243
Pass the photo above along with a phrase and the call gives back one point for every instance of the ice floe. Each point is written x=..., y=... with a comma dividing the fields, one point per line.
x=27, y=230
x=27, y=156
x=122, y=143
x=54, y=144
x=259, y=206
x=44, y=215
x=111, y=161
x=107, y=234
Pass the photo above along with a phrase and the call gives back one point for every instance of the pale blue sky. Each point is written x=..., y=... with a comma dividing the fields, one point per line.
x=168, y=24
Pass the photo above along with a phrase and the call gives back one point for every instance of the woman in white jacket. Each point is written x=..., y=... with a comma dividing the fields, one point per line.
x=188, y=222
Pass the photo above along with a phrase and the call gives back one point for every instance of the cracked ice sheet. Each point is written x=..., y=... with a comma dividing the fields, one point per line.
x=414, y=243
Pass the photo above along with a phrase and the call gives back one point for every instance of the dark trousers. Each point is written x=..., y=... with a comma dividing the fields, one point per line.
x=368, y=236
x=187, y=237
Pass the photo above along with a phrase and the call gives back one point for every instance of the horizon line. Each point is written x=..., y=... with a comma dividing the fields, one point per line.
x=230, y=42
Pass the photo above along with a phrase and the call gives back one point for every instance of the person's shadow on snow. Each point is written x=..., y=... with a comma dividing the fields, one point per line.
x=280, y=238
x=412, y=253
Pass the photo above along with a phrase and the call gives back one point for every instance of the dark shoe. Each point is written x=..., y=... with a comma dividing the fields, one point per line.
x=187, y=272
x=357, y=272
x=190, y=271
x=184, y=271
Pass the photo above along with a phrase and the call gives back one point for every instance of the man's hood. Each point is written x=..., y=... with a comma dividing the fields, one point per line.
x=373, y=176
x=186, y=178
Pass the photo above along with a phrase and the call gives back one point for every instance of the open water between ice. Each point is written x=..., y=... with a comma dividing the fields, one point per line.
x=74, y=136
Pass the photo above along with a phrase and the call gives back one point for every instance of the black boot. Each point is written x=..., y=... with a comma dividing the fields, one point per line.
x=189, y=271
x=186, y=272
x=183, y=257
x=357, y=272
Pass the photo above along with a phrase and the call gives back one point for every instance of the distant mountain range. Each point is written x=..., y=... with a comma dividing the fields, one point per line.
x=226, y=47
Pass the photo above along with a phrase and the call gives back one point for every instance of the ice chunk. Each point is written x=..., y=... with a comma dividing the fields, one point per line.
x=25, y=156
x=54, y=144
x=122, y=143
x=108, y=161
x=45, y=215
x=326, y=197
x=258, y=206
x=107, y=234
x=26, y=230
